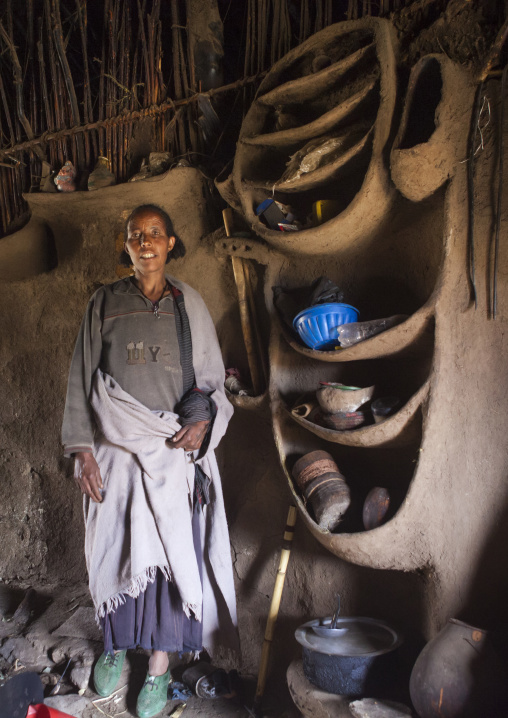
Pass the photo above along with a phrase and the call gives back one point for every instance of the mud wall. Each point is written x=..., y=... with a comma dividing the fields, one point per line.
x=40, y=520
x=444, y=557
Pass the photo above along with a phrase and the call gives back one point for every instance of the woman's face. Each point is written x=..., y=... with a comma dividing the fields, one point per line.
x=147, y=242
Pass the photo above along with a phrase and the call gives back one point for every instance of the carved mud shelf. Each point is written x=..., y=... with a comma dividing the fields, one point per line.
x=357, y=154
x=340, y=77
x=341, y=85
x=331, y=120
x=415, y=334
x=350, y=533
x=398, y=430
x=247, y=402
x=308, y=87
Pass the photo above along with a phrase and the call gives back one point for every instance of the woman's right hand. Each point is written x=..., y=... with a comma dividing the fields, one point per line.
x=87, y=475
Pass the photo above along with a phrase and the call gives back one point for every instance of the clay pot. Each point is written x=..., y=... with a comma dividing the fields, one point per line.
x=375, y=507
x=323, y=487
x=337, y=398
x=458, y=675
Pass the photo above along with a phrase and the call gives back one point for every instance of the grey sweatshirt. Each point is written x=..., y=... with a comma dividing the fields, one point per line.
x=121, y=335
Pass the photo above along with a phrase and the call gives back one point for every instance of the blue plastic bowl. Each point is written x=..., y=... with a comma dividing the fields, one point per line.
x=317, y=325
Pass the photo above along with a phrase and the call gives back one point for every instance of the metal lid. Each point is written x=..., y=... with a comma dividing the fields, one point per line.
x=363, y=637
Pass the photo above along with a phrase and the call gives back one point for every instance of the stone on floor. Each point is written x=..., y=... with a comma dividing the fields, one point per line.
x=311, y=701
x=77, y=706
x=81, y=624
x=373, y=708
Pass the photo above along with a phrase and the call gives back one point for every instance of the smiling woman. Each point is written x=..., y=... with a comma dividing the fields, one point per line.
x=145, y=409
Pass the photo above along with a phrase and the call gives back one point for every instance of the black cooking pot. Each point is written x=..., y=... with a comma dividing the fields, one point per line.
x=355, y=659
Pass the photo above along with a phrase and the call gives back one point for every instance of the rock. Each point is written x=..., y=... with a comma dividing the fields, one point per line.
x=81, y=624
x=65, y=179
x=28, y=653
x=49, y=679
x=47, y=183
x=21, y=617
x=374, y=708
x=81, y=652
x=312, y=702
x=72, y=704
x=80, y=676
x=101, y=176
x=58, y=653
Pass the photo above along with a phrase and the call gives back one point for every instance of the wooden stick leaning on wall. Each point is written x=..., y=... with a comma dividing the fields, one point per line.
x=243, y=304
x=275, y=605
x=248, y=271
x=241, y=285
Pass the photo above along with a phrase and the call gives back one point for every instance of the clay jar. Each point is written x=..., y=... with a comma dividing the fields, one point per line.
x=458, y=675
x=323, y=487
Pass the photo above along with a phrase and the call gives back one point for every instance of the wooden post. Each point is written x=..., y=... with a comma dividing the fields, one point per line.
x=243, y=303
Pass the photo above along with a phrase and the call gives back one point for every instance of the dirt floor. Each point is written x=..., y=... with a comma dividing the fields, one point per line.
x=60, y=642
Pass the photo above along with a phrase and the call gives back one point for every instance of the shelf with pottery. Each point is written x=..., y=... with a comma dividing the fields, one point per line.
x=378, y=455
x=398, y=430
x=413, y=335
x=381, y=547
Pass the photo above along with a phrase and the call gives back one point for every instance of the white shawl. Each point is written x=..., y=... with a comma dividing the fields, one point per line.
x=144, y=521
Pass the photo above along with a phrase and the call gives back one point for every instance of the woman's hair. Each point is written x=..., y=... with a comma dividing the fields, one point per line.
x=178, y=248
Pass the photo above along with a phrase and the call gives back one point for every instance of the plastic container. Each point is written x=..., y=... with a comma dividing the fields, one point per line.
x=317, y=326
x=42, y=711
x=356, y=332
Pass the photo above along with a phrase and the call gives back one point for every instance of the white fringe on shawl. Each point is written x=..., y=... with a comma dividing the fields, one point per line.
x=144, y=521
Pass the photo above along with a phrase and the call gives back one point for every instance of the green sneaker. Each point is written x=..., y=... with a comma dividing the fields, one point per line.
x=153, y=696
x=107, y=672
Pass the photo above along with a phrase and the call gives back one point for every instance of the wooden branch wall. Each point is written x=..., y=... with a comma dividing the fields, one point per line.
x=74, y=63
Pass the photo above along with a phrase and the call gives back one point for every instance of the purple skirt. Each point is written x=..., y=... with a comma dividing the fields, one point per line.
x=155, y=620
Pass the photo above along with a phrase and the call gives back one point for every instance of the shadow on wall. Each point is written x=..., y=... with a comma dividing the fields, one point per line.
x=398, y=599
x=485, y=605
x=27, y=253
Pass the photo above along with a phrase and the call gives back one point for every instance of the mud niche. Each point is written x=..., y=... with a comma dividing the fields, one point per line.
x=395, y=244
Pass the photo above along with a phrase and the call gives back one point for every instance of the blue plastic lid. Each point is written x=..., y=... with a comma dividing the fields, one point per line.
x=264, y=205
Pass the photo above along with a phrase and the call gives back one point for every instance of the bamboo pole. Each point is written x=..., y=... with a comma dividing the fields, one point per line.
x=57, y=111
x=87, y=94
x=66, y=72
x=275, y=605
x=18, y=87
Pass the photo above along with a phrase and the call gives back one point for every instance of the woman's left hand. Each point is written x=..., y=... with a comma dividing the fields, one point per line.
x=190, y=437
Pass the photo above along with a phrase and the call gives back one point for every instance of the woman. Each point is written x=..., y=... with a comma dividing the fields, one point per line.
x=145, y=409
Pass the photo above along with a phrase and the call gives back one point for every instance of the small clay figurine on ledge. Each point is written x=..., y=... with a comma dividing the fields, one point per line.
x=65, y=178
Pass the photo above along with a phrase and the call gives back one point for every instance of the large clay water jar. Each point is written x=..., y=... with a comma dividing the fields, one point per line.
x=459, y=675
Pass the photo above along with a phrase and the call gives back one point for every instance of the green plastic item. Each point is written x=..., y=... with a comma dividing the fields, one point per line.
x=107, y=672
x=153, y=696
x=339, y=386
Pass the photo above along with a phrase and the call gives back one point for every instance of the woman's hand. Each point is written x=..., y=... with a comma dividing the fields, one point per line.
x=87, y=475
x=190, y=437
